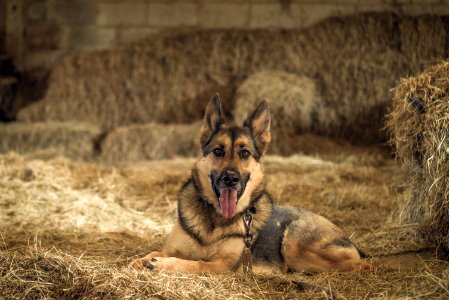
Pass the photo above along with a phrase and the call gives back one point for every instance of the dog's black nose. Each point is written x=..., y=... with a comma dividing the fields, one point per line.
x=230, y=178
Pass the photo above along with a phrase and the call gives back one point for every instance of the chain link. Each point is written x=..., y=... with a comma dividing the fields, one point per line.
x=247, y=221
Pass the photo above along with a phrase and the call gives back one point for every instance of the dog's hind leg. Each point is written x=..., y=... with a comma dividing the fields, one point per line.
x=314, y=244
x=315, y=258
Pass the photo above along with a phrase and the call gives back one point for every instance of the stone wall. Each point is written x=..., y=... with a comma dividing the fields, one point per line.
x=37, y=33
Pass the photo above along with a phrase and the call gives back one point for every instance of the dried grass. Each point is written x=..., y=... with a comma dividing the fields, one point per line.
x=68, y=230
x=419, y=126
x=354, y=61
x=41, y=273
x=74, y=140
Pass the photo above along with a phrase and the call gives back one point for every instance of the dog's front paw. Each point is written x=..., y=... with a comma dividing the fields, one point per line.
x=139, y=263
x=164, y=264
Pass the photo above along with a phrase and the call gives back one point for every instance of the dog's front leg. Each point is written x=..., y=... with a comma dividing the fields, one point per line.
x=184, y=254
x=174, y=264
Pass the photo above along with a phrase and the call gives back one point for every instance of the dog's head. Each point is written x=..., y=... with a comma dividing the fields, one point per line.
x=230, y=171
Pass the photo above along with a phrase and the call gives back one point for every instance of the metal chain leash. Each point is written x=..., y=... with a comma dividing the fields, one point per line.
x=246, y=255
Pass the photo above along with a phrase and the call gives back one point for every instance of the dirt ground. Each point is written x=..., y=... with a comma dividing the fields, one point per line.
x=68, y=230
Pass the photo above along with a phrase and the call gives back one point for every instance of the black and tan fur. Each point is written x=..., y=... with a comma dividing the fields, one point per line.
x=226, y=182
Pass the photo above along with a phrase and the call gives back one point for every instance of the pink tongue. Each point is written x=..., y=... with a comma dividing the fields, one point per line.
x=228, y=202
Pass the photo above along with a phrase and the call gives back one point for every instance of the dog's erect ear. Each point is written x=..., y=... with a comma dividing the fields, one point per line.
x=259, y=123
x=213, y=119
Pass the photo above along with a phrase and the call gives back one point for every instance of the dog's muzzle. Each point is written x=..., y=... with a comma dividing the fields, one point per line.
x=228, y=187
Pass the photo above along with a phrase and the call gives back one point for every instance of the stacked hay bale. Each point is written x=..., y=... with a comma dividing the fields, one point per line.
x=354, y=61
x=294, y=101
x=150, y=141
x=419, y=127
x=87, y=142
x=75, y=140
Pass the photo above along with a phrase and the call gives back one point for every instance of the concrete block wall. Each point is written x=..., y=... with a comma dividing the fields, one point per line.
x=2, y=25
x=52, y=29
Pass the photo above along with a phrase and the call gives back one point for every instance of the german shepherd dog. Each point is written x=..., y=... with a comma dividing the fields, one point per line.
x=226, y=186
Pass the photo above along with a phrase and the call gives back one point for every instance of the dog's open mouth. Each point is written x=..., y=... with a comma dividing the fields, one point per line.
x=228, y=197
x=228, y=202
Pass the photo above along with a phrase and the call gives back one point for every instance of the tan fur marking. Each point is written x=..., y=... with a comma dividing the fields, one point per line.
x=174, y=264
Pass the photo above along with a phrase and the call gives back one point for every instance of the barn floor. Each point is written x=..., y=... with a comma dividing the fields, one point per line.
x=68, y=229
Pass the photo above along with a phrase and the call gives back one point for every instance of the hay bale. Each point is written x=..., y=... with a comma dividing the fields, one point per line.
x=150, y=141
x=419, y=126
x=155, y=141
x=354, y=61
x=286, y=144
x=74, y=140
x=293, y=99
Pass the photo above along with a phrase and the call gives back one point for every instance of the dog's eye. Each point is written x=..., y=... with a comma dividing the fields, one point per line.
x=218, y=152
x=244, y=153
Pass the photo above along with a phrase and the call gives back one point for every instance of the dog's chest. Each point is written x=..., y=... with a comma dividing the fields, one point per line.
x=268, y=245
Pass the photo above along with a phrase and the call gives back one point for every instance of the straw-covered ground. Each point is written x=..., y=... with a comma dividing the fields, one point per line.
x=68, y=229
